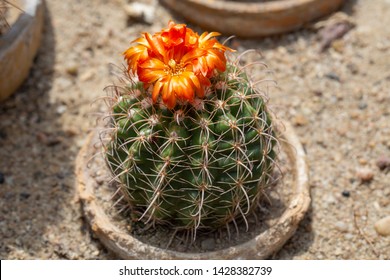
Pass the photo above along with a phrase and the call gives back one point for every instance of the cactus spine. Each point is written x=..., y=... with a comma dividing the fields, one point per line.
x=198, y=164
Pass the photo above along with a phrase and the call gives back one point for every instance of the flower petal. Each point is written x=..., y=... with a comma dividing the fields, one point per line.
x=156, y=90
x=174, y=35
x=206, y=36
x=192, y=55
x=151, y=70
x=148, y=76
x=155, y=45
x=183, y=88
x=176, y=63
x=168, y=95
x=134, y=56
x=153, y=63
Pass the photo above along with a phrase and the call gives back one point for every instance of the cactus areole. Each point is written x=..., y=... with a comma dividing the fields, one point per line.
x=192, y=143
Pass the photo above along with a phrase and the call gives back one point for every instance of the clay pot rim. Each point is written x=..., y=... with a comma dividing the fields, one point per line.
x=260, y=247
x=252, y=19
x=23, y=22
x=251, y=8
x=19, y=45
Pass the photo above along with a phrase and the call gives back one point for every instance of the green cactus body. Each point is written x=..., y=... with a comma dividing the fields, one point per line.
x=199, y=165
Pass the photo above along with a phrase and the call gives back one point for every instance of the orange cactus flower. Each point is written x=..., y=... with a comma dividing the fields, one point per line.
x=176, y=63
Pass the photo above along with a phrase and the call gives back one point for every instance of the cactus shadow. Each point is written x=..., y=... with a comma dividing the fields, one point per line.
x=348, y=6
x=25, y=117
x=36, y=163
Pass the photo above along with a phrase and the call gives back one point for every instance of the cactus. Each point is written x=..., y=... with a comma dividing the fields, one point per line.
x=192, y=158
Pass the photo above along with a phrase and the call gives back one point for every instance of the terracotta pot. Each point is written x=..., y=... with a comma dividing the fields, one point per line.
x=118, y=239
x=246, y=19
x=19, y=46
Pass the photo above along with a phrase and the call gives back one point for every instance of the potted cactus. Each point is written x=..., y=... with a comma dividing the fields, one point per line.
x=190, y=146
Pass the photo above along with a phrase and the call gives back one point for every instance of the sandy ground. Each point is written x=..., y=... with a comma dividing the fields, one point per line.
x=338, y=101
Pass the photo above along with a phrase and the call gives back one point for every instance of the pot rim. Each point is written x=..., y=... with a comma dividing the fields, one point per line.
x=252, y=19
x=19, y=45
x=260, y=247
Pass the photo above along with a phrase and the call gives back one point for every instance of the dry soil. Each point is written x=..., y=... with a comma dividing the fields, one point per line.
x=337, y=99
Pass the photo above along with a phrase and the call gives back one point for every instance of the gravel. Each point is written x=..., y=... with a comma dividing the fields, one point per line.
x=338, y=100
x=382, y=226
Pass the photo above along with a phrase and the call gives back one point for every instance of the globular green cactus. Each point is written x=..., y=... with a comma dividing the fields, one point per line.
x=200, y=162
x=198, y=165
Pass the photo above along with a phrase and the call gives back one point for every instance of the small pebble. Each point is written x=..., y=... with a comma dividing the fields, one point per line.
x=102, y=179
x=320, y=256
x=341, y=226
x=333, y=76
x=362, y=105
x=337, y=157
x=318, y=92
x=363, y=161
x=95, y=253
x=300, y=120
x=140, y=12
x=330, y=199
x=24, y=195
x=346, y=193
x=377, y=206
x=61, y=109
x=384, y=201
x=2, y=178
x=364, y=174
x=48, y=140
x=339, y=251
x=383, y=162
x=338, y=45
x=70, y=132
x=3, y=135
x=63, y=83
x=208, y=244
x=87, y=76
x=349, y=236
x=382, y=226
x=353, y=68
x=72, y=68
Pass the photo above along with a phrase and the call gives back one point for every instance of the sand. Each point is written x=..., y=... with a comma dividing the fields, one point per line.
x=337, y=99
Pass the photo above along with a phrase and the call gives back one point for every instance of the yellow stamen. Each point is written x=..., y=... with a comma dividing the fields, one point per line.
x=172, y=64
x=173, y=68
